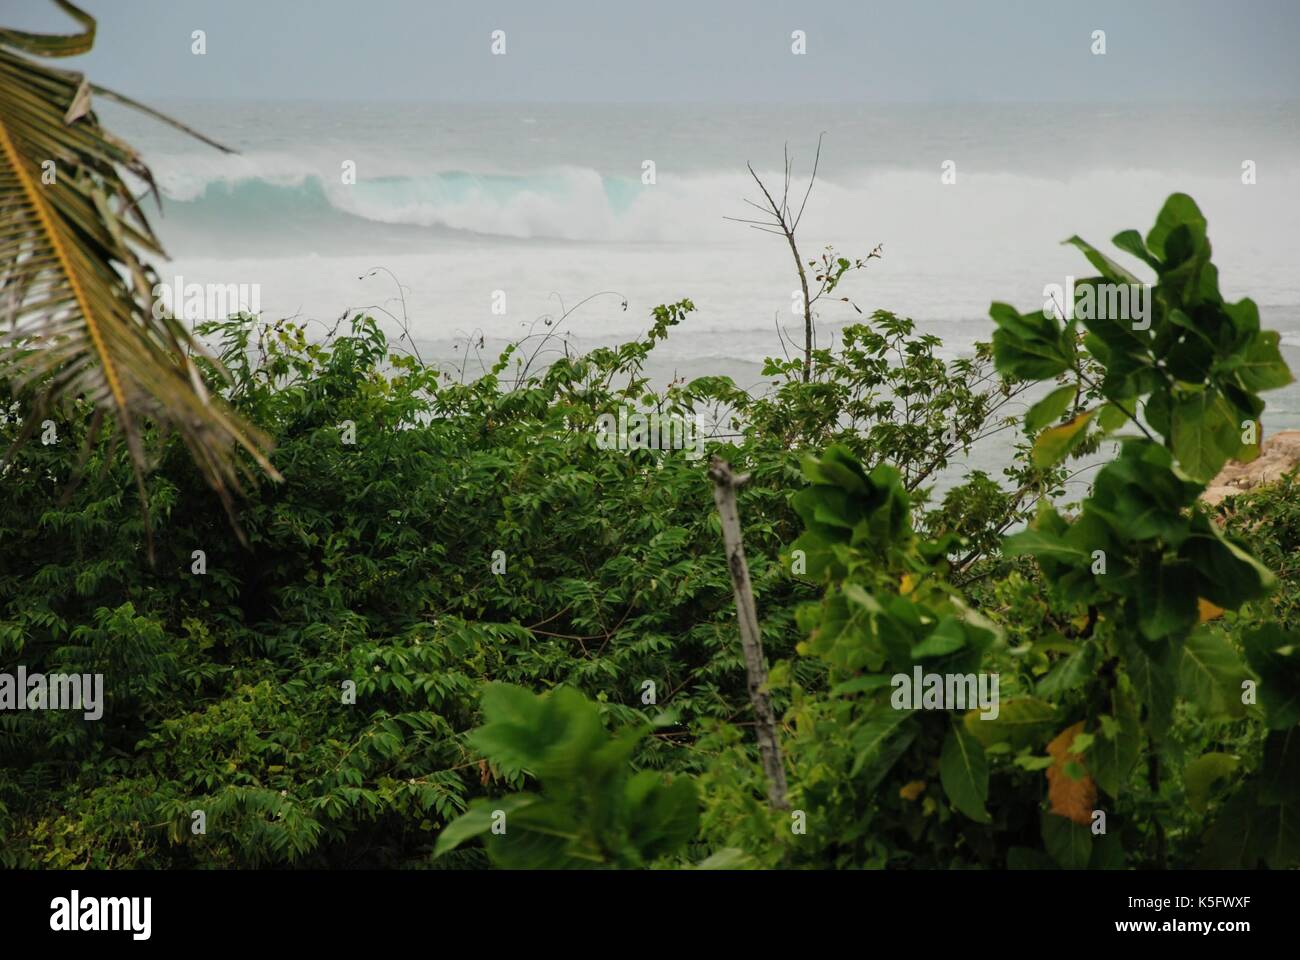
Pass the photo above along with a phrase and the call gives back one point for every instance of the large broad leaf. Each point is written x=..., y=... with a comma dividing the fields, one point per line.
x=837, y=467
x=1179, y=212
x=1069, y=843
x=1021, y=721
x=879, y=742
x=1114, y=750
x=1113, y=416
x=1260, y=366
x=1205, y=433
x=660, y=818
x=1201, y=774
x=1130, y=241
x=964, y=773
x=1030, y=346
x=947, y=637
x=1279, y=835
x=1226, y=574
x=1054, y=445
x=480, y=818
x=1151, y=666
x=558, y=735
x=78, y=318
x=1108, y=268
x=1232, y=840
x=1279, y=779
x=1051, y=408
x=729, y=858
x=1071, y=673
x=1044, y=546
x=1211, y=674
x=1140, y=496
x=1274, y=654
x=1167, y=598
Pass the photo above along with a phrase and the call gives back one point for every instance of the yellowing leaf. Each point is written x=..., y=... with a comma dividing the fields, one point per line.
x=907, y=584
x=912, y=790
x=1208, y=610
x=1069, y=798
x=1052, y=446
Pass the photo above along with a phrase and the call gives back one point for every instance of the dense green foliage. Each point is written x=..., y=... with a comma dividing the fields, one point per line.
x=460, y=611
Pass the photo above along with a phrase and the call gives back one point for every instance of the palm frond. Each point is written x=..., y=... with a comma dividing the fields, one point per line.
x=78, y=314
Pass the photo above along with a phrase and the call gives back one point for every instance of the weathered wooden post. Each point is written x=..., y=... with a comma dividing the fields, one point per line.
x=725, y=484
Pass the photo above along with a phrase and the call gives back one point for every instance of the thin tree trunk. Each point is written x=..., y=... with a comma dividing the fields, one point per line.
x=725, y=484
x=807, y=309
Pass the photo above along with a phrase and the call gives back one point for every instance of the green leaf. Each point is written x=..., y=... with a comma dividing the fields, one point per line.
x=1054, y=445
x=862, y=684
x=1179, y=211
x=1261, y=366
x=1069, y=843
x=1277, y=835
x=1021, y=721
x=478, y=820
x=728, y=858
x=1201, y=774
x=1150, y=666
x=1279, y=775
x=1108, y=268
x=947, y=637
x=880, y=742
x=1130, y=241
x=1227, y=575
x=1071, y=673
x=85, y=291
x=1042, y=545
x=1205, y=433
x=660, y=818
x=1050, y=409
x=1210, y=674
x=1231, y=841
x=964, y=773
x=1274, y=654
x=1166, y=598
x=1028, y=346
x=554, y=735
x=1113, y=753
x=1111, y=416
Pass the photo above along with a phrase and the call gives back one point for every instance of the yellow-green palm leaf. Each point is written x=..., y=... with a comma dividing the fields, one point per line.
x=77, y=317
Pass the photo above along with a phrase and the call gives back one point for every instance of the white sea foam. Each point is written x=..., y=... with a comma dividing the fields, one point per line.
x=460, y=202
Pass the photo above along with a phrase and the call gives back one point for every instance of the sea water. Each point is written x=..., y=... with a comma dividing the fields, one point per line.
x=483, y=223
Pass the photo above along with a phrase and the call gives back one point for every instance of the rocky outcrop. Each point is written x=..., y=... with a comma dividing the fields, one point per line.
x=1279, y=455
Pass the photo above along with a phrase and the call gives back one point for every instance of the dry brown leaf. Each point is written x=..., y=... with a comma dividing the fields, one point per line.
x=1072, y=799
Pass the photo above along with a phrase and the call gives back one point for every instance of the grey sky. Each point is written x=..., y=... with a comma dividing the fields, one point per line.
x=690, y=50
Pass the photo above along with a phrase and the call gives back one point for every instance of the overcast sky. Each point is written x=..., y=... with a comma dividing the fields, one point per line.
x=690, y=50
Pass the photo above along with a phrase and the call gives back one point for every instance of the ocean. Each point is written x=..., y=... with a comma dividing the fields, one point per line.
x=494, y=218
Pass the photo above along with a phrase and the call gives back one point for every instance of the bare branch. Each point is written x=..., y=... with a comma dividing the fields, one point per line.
x=811, y=180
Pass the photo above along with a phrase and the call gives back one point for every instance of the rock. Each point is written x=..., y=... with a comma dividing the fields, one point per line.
x=1279, y=455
